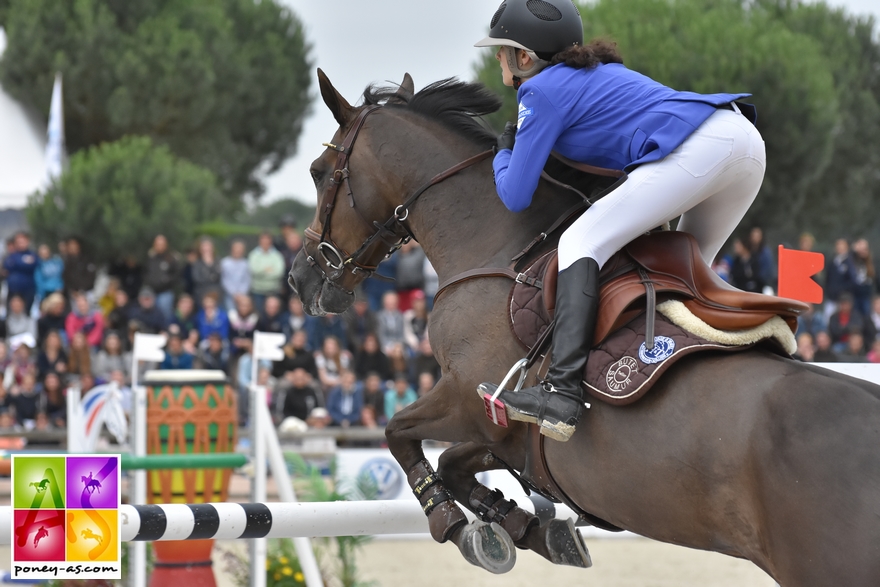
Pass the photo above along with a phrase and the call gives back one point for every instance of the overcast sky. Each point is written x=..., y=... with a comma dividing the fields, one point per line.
x=357, y=42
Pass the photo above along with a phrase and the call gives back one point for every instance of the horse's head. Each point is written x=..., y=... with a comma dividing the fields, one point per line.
x=364, y=196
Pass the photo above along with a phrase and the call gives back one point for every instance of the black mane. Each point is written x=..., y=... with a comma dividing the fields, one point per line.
x=454, y=103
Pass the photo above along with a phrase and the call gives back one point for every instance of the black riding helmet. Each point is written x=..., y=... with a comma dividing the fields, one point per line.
x=544, y=27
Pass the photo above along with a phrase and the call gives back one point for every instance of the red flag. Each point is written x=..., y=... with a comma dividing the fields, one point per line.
x=795, y=271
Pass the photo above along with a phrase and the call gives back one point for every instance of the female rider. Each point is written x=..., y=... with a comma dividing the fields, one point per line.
x=686, y=154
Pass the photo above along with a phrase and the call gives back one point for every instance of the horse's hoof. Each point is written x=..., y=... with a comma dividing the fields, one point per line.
x=566, y=545
x=487, y=546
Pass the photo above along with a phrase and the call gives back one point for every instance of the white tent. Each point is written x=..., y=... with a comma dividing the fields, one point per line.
x=22, y=147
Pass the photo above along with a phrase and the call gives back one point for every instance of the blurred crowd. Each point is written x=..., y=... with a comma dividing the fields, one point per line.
x=67, y=322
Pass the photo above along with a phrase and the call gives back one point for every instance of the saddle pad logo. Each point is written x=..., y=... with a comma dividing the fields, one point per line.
x=663, y=349
x=620, y=374
x=523, y=114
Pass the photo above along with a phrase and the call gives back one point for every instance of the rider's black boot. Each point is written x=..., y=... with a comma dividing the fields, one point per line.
x=557, y=403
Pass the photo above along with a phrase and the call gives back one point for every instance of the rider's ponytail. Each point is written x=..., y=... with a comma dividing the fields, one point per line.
x=590, y=55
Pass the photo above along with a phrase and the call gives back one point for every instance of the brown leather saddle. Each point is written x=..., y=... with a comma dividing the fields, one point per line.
x=665, y=264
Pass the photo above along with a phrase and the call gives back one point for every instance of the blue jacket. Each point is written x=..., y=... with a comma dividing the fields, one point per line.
x=20, y=267
x=608, y=116
x=341, y=410
x=48, y=276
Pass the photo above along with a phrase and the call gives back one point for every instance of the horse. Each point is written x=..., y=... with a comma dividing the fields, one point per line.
x=87, y=534
x=749, y=454
x=40, y=486
x=90, y=484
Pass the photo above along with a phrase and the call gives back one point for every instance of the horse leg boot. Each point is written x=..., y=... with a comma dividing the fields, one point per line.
x=483, y=544
x=556, y=404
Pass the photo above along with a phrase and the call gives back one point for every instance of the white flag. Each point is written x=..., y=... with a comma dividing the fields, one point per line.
x=267, y=345
x=148, y=347
x=55, y=134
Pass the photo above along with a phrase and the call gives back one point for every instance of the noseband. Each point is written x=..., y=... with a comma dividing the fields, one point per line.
x=336, y=265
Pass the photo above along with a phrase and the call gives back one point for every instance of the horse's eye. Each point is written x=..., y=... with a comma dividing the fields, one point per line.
x=316, y=174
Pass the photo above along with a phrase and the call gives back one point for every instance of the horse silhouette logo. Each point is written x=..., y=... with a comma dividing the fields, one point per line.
x=87, y=534
x=41, y=486
x=41, y=533
x=387, y=476
x=91, y=484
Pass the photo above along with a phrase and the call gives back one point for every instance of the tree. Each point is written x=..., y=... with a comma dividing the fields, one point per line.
x=118, y=196
x=810, y=69
x=224, y=84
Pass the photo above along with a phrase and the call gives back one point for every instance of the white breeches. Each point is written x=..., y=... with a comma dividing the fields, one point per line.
x=710, y=181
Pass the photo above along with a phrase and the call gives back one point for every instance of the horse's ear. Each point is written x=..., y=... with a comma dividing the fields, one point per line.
x=339, y=106
x=407, y=87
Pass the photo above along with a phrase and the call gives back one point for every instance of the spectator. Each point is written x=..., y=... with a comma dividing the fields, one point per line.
x=425, y=361
x=376, y=287
x=331, y=362
x=86, y=320
x=296, y=356
x=192, y=256
x=426, y=384
x=400, y=396
x=24, y=399
x=846, y=321
x=80, y=359
x=863, y=277
x=214, y=355
x=811, y=321
x=390, y=322
x=298, y=395
x=397, y=359
x=212, y=319
x=54, y=404
x=874, y=316
x=345, y=401
x=432, y=283
x=22, y=363
x=53, y=317
x=410, y=273
x=20, y=266
x=52, y=357
x=176, y=356
x=18, y=319
x=318, y=418
x=745, y=272
x=151, y=319
x=763, y=259
x=243, y=379
x=235, y=275
x=5, y=359
x=79, y=271
x=415, y=320
x=242, y=324
x=839, y=275
x=374, y=400
x=327, y=326
x=121, y=313
x=371, y=359
x=824, y=353
x=298, y=320
x=107, y=301
x=48, y=276
x=855, y=349
x=206, y=272
x=111, y=357
x=360, y=321
x=289, y=245
x=272, y=319
x=162, y=270
x=806, y=349
x=267, y=267
x=130, y=275
x=873, y=355
x=185, y=317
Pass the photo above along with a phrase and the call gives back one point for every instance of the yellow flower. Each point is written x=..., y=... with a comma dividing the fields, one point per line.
x=299, y=577
x=277, y=577
x=283, y=560
x=287, y=571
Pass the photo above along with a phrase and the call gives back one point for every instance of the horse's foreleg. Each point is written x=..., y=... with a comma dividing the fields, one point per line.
x=485, y=545
x=556, y=540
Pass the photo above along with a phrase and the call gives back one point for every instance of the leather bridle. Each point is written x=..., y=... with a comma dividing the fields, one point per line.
x=344, y=270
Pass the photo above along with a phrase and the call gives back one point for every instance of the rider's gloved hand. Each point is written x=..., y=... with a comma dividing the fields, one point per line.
x=507, y=138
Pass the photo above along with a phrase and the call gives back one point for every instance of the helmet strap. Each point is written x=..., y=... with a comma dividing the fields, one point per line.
x=519, y=74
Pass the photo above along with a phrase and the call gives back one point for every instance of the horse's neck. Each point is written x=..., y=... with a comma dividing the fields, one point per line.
x=464, y=225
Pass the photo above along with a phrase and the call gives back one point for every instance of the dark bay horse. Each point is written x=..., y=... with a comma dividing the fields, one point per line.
x=749, y=455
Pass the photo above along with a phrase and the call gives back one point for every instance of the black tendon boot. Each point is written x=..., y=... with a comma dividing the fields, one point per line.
x=557, y=403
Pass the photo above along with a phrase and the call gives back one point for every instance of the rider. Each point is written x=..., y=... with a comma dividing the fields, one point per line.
x=686, y=154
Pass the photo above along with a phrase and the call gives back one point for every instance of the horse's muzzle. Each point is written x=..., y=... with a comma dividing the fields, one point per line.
x=319, y=296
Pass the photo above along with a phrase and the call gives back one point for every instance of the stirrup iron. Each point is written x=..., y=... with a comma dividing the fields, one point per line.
x=495, y=409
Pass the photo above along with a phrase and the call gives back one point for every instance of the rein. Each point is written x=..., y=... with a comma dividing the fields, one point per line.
x=393, y=233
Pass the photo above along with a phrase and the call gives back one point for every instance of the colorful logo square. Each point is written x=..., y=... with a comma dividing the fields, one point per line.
x=38, y=535
x=38, y=482
x=93, y=482
x=92, y=535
